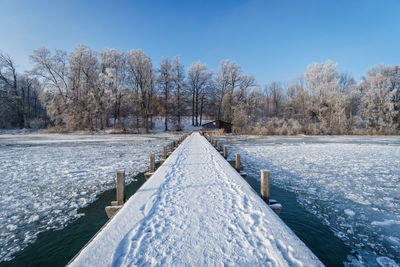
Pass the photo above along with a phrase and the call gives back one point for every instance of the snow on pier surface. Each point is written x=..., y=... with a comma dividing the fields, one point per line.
x=196, y=210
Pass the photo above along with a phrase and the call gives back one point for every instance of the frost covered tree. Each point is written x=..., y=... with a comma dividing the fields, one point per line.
x=222, y=80
x=86, y=94
x=322, y=82
x=198, y=81
x=165, y=83
x=235, y=76
x=231, y=88
x=113, y=78
x=298, y=104
x=179, y=84
x=86, y=89
x=275, y=99
x=141, y=74
x=378, y=102
x=52, y=70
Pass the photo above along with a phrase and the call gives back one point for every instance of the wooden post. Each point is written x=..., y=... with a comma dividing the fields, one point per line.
x=219, y=146
x=164, y=155
x=120, y=186
x=147, y=175
x=152, y=162
x=237, y=164
x=265, y=185
x=225, y=151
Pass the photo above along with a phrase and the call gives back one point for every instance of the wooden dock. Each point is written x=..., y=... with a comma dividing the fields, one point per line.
x=196, y=209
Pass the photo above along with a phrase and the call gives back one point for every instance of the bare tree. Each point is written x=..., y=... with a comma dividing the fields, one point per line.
x=8, y=76
x=52, y=70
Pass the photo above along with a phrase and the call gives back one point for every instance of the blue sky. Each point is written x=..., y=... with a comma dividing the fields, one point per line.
x=273, y=40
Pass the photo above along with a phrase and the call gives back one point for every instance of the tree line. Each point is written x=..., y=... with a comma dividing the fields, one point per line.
x=97, y=90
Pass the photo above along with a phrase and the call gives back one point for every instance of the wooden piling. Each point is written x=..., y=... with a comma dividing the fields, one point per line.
x=265, y=185
x=173, y=146
x=225, y=152
x=164, y=154
x=152, y=162
x=120, y=195
x=147, y=175
x=219, y=146
x=237, y=163
x=120, y=186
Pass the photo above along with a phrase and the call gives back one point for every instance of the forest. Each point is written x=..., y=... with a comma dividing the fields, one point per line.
x=88, y=90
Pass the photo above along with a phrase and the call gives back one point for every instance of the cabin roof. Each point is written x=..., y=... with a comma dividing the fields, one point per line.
x=216, y=121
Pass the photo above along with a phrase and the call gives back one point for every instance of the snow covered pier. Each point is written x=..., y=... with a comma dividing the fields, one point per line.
x=195, y=210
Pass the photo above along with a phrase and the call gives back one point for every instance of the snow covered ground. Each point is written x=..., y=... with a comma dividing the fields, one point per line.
x=351, y=183
x=196, y=211
x=45, y=179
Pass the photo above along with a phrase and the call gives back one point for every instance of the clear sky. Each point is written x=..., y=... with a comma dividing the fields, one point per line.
x=273, y=40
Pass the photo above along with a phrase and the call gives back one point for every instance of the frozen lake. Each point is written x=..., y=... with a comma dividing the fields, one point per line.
x=351, y=183
x=45, y=179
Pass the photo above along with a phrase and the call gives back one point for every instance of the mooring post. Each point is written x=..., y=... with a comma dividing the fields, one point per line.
x=225, y=151
x=120, y=187
x=219, y=146
x=215, y=143
x=120, y=195
x=164, y=154
x=265, y=185
x=148, y=174
x=152, y=162
x=237, y=164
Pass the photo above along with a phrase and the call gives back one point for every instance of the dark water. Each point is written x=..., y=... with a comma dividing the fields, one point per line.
x=318, y=237
x=57, y=248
